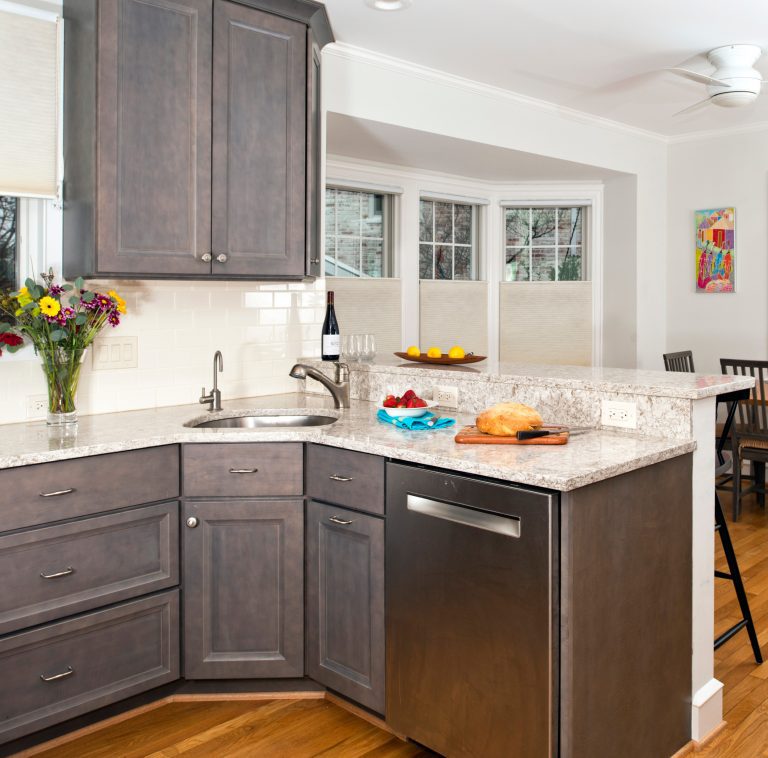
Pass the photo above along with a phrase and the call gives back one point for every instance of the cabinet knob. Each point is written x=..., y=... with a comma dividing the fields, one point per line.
x=192, y=522
x=206, y=257
x=221, y=258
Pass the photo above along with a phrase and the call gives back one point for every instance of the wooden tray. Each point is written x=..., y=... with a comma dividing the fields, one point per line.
x=443, y=359
x=469, y=435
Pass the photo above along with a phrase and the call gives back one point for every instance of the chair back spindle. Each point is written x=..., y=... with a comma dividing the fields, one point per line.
x=680, y=361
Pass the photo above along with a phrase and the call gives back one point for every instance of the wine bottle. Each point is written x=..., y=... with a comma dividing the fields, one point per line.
x=331, y=339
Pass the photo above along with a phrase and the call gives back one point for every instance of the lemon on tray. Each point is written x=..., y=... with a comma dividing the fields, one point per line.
x=434, y=352
x=414, y=351
x=456, y=352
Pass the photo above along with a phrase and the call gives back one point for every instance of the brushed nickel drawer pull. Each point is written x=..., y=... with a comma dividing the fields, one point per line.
x=243, y=471
x=57, y=492
x=67, y=571
x=337, y=478
x=337, y=520
x=63, y=675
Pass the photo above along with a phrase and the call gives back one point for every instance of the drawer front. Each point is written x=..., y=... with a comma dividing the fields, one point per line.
x=56, y=571
x=346, y=478
x=243, y=469
x=65, y=669
x=46, y=492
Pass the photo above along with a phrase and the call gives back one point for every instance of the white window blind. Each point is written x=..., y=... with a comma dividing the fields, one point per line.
x=29, y=107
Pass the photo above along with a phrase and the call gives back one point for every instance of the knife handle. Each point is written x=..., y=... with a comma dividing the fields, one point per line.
x=532, y=435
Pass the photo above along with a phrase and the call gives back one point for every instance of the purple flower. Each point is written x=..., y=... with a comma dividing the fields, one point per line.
x=67, y=313
x=114, y=318
x=104, y=303
x=55, y=289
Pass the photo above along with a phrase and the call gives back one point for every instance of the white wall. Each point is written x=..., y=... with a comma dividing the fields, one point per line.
x=723, y=170
x=381, y=89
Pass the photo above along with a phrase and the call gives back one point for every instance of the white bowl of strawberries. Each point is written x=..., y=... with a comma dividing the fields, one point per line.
x=409, y=404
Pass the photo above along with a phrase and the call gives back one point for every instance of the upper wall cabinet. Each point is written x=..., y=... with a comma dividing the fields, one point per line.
x=192, y=132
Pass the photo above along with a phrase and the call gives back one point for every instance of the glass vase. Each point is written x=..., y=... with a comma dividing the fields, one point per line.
x=61, y=367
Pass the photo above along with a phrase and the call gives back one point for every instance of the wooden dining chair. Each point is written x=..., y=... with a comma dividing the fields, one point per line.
x=749, y=436
x=680, y=361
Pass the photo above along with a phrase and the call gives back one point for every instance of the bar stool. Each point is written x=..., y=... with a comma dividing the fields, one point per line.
x=683, y=361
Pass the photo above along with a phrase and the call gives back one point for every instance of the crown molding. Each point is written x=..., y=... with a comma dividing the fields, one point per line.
x=346, y=51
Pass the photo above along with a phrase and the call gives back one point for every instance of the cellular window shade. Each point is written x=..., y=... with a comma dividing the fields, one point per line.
x=28, y=103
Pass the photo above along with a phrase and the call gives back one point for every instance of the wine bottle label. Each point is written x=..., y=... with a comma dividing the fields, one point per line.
x=331, y=344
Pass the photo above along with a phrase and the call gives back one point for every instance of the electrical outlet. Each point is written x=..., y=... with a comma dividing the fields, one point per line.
x=447, y=397
x=37, y=406
x=619, y=413
x=115, y=352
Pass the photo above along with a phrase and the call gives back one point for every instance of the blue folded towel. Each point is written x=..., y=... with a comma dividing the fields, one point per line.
x=415, y=423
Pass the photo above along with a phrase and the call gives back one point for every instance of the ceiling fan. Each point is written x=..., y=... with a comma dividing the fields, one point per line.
x=734, y=83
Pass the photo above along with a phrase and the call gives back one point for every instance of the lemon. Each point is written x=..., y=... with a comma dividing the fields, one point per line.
x=456, y=352
x=414, y=351
x=434, y=352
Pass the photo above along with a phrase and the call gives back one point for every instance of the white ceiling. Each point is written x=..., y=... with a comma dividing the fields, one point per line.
x=385, y=143
x=599, y=56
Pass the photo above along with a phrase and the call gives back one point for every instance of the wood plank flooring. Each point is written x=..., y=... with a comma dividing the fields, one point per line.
x=312, y=728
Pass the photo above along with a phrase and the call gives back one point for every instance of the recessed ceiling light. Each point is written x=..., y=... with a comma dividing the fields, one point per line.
x=388, y=5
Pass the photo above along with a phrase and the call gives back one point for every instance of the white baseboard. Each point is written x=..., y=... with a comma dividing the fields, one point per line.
x=706, y=710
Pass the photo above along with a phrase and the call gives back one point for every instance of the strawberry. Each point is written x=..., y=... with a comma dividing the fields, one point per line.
x=418, y=403
x=410, y=403
x=408, y=395
x=390, y=401
x=402, y=403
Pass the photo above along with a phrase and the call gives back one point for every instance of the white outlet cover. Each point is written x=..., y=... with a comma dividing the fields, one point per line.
x=618, y=413
x=446, y=396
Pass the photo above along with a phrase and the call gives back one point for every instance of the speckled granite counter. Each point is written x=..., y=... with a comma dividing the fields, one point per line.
x=586, y=458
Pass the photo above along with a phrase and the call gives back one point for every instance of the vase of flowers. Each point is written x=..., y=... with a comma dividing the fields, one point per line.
x=61, y=321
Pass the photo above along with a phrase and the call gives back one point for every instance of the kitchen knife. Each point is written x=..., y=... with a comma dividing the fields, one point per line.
x=535, y=433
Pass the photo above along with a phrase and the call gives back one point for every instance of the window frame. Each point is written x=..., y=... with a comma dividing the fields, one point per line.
x=475, y=237
x=586, y=247
x=388, y=267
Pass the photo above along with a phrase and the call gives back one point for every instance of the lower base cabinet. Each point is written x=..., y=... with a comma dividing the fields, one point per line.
x=61, y=670
x=243, y=589
x=345, y=603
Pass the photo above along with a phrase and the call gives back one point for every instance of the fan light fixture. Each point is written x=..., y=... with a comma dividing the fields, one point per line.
x=388, y=5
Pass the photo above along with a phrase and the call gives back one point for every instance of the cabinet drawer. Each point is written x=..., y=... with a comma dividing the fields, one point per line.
x=64, y=669
x=346, y=477
x=243, y=469
x=56, y=571
x=45, y=492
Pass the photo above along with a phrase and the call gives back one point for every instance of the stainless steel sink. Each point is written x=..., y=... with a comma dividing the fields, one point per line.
x=261, y=421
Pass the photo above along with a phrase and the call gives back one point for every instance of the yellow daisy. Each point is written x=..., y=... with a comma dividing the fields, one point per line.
x=24, y=297
x=49, y=306
x=119, y=300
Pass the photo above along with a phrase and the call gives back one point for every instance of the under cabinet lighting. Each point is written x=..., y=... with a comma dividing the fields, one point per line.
x=388, y=5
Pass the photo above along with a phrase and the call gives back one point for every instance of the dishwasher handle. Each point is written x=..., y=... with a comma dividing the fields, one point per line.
x=509, y=526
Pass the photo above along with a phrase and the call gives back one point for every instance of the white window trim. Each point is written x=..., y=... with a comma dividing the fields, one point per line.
x=477, y=262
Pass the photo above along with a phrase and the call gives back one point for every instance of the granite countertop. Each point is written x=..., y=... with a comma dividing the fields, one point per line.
x=631, y=381
x=587, y=458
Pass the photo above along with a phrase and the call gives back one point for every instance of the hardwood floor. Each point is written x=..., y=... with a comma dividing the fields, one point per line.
x=310, y=728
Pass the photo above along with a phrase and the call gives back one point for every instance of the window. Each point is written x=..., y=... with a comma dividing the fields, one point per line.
x=544, y=244
x=447, y=240
x=8, y=242
x=357, y=233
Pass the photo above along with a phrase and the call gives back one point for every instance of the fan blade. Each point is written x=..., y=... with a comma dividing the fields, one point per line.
x=692, y=108
x=697, y=77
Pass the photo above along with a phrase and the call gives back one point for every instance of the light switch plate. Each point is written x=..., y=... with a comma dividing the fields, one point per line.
x=115, y=352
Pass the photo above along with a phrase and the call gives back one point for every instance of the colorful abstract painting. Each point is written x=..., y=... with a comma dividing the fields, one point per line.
x=715, y=237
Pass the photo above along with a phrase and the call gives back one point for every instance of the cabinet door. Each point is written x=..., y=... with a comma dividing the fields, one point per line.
x=345, y=603
x=243, y=589
x=259, y=134
x=314, y=158
x=154, y=136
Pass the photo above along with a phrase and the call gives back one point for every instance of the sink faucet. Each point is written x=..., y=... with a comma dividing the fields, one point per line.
x=339, y=389
x=213, y=398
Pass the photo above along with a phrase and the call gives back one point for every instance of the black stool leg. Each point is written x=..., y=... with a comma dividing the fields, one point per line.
x=735, y=576
x=760, y=482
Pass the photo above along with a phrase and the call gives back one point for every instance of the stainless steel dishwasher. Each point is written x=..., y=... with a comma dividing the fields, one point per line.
x=472, y=609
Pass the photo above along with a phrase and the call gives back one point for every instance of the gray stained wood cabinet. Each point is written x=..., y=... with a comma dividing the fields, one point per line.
x=243, y=580
x=345, y=602
x=191, y=135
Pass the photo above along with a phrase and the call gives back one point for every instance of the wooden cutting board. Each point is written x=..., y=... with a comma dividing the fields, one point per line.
x=470, y=435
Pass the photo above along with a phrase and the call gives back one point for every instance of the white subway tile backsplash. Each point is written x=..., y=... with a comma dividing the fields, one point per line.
x=261, y=328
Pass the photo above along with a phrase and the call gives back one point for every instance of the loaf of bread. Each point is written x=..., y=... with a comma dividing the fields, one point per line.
x=506, y=419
